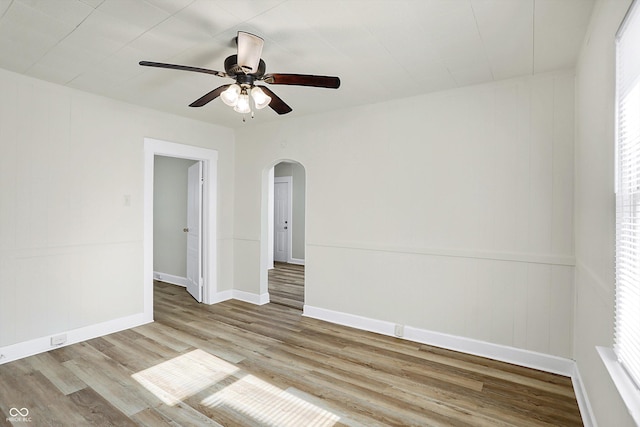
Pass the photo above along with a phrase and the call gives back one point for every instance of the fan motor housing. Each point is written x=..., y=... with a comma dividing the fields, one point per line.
x=232, y=68
x=245, y=79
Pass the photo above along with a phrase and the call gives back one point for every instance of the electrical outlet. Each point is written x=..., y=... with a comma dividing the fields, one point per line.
x=58, y=340
x=398, y=330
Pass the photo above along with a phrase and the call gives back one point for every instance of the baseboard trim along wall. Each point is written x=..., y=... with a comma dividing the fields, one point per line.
x=40, y=345
x=516, y=356
x=296, y=261
x=170, y=278
x=220, y=296
x=249, y=297
x=241, y=296
x=586, y=411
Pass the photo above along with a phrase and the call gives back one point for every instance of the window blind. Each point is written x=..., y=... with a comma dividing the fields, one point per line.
x=627, y=321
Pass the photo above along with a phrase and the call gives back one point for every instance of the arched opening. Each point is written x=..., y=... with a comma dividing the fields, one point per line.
x=284, y=220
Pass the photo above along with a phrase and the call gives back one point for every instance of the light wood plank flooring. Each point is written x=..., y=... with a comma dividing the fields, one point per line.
x=286, y=285
x=236, y=364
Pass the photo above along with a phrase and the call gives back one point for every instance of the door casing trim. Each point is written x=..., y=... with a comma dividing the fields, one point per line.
x=209, y=157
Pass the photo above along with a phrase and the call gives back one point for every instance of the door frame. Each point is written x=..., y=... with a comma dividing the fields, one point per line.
x=266, y=221
x=289, y=181
x=209, y=158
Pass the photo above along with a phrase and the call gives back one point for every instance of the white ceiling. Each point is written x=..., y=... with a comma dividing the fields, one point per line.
x=380, y=49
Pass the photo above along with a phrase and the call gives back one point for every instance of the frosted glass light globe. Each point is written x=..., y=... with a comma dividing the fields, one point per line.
x=260, y=98
x=230, y=95
x=243, y=104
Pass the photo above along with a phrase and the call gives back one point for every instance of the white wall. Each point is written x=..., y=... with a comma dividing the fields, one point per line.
x=595, y=209
x=71, y=251
x=170, y=215
x=450, y=212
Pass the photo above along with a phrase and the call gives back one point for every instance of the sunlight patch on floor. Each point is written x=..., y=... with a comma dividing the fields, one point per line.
x=270, y=405
x=184, y=376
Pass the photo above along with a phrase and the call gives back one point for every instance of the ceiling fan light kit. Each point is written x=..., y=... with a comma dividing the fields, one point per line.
x=260, y=99
x=242, y=106
x=230, y=96
x=246, y=67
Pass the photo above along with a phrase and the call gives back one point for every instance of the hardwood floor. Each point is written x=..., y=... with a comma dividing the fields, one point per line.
x=236, y=364
x=286, y=285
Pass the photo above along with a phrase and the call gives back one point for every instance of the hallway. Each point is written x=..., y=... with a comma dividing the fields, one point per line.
x=286, y=285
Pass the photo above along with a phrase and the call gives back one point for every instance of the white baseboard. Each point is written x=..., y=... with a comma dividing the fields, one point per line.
x=503, y=353
x=239, y=295
x=526, y=358
x=586, y=411
x=296, y=261
x=352, y=320
x=40, y=345
x=220, y=297
x=516, y=356
x=170, y=278
x=250, y=297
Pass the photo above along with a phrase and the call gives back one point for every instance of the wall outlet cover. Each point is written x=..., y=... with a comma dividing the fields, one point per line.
x=398, y=330
x=58, y=340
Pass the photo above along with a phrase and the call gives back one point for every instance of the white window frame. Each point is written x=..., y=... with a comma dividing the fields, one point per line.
x=621, y=361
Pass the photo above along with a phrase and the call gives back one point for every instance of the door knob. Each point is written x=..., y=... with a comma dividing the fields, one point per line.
x=186, y=230
x=286, y=228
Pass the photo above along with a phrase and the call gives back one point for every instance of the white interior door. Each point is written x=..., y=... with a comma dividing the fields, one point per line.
x=281, y=226
x=194, y=231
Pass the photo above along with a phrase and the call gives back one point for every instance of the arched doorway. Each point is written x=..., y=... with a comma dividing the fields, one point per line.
x=286, y=204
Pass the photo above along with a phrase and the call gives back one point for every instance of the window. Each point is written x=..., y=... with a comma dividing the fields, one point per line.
x=627, y=322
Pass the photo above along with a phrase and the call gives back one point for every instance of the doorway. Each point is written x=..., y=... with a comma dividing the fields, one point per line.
x=286, y=238
x=207, y=159
x=177, y=219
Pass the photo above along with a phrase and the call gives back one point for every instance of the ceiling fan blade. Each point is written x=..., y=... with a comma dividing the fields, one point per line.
x=276, y=104
x=249, y=51
x=183, y=68
x=302, y=80
x=205, y=99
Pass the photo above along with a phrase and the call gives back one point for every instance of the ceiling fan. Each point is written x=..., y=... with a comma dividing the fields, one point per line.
x=247, y=68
